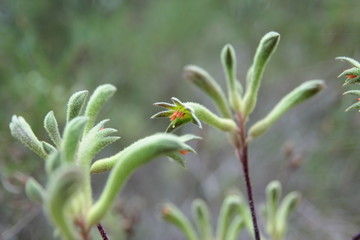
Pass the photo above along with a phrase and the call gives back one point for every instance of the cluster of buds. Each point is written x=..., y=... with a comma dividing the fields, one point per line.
x=241, y=100
x=234, y=216
x=66, y=195
x=352, y=77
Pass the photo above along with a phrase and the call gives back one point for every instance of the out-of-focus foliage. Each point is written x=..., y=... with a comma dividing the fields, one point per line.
x=49, y=49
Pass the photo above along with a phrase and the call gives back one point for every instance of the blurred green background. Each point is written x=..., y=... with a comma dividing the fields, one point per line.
x=49, y=49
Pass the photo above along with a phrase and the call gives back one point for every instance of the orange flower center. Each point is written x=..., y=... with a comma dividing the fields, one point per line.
x=351, y=76
x=184, y=152
x=177, y=114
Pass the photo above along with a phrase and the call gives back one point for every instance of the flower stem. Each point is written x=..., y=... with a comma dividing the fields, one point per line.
x=102, y=232
x=357, y=237
x=242, y=154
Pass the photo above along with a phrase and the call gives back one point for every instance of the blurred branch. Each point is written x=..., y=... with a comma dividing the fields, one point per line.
x=21, y=224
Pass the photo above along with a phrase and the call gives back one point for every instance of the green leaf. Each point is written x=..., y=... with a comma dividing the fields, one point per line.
x=76, y=105
x=96, y=102
x=263, y=53
x=22, y=131
x=71, y=138
x=51, y=127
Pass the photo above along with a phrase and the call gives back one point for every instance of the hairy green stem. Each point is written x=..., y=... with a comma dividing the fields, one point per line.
x=205, y=115
x=127, y=162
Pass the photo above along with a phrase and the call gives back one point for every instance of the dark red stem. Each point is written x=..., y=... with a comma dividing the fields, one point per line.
x=242, y=154
x=102, y=232
x=357, y=237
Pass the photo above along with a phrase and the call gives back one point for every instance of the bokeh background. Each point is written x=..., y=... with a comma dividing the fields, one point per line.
x=50, y=49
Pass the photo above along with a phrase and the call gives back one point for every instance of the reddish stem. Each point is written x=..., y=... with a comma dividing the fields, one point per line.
x=102, y=232
x=357, y=237
x=242, y=154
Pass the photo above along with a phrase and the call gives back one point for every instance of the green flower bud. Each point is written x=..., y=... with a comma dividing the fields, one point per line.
x=71, y=138
x=125, y=163
x=208, y=85
x=264, y=51
x=76, y=105
x=174, y=216
x=273, y=194
x=228, y=60
x=96, y=102
x=235, y=227
x=230, y=206
x=64, y=184
x=22, y=131
x=296, y=96
x=51, y=127
x=201, y=215
x=96, y=139
x=288, y=205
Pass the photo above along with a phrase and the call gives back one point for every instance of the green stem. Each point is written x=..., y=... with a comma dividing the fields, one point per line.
x=127, y=162
x=205, y=115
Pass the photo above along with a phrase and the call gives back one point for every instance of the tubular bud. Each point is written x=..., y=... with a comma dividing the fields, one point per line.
x=263, y=53
x=51, y=127
x=228, y=60
x=296, y=96
x=209, y=86
x=76, y=104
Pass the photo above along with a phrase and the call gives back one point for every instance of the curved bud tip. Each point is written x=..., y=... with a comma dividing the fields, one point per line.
x=273, y=186
x=228, y=55
x=194, y=73
x=270, y=41
x=296, y=96
x=273, y=191
x=166, y=211
x=349, y=60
